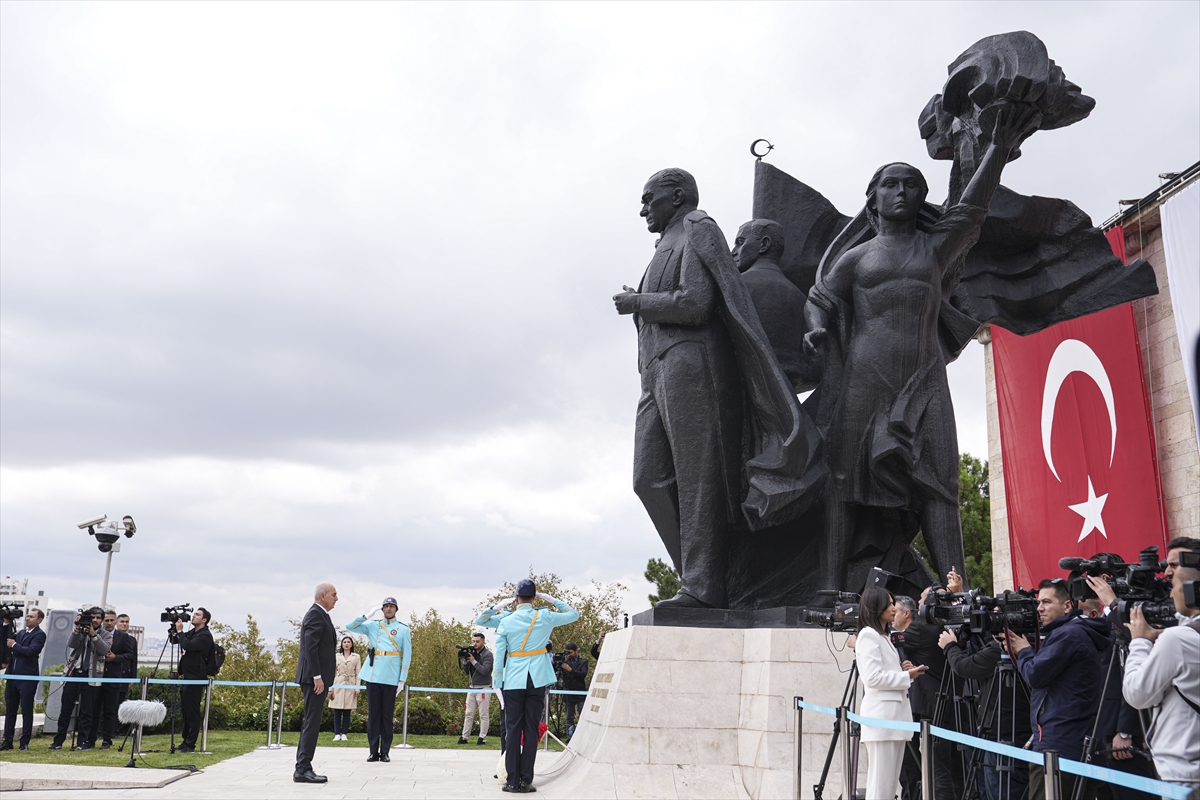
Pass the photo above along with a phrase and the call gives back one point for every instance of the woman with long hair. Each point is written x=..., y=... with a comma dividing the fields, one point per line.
x=343, y=701
x=885, y=694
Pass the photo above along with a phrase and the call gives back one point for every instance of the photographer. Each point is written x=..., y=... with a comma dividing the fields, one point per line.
x=917, y=642
x=1063, y=676
x=1163, y=669
x=119, y=662
x=24, y=648
x=193, y=666
x=478, y=665
x=88, y=645
x=574, y=678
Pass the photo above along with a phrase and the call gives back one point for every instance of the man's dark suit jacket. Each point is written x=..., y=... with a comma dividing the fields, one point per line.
x=25, y=652
x=318, y=647
x=124, y=663
x=921, y=648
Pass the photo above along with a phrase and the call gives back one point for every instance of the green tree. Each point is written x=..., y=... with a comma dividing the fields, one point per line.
x=664, y=578
x=435, y=659
x=975, y=513
x=246, y=659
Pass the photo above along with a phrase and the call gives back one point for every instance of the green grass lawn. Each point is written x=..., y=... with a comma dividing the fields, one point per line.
x=222, y=745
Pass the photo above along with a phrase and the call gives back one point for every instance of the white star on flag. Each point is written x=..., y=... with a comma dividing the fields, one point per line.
x=1091, y=510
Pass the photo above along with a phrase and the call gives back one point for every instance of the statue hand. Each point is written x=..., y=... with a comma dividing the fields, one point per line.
x=814, y=341
x=1014, y=123
x=626, y=301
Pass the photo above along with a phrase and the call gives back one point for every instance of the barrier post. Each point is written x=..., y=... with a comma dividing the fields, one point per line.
x=1050, y=765
x=926, y=761
x=137, y=737
x=799, y=742
x=404, y=729
x=282, y=710
x=204, y=729
x=847, y=758
x=270, y=717
x=145, y=679
x=546, y=720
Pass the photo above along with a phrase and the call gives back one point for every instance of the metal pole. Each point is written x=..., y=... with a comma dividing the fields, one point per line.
x=282, y=711
x=145, y=685
x=799, y=747
x=847, y=765
x=207, y=706
x=404, y=730
x=104, y=591
x=546, y=720
x=926, y=761
x=271, y=714
x=1050, y=765
x=137, y=740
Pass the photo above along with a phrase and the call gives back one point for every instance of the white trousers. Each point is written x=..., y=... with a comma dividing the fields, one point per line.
x=480, y=702
x=883, y=769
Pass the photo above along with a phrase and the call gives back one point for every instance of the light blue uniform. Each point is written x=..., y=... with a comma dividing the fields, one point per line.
x=393, y=650
x=521, y=645
x=491, y=617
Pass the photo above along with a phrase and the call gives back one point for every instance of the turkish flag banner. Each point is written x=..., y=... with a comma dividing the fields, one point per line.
x=1080, y=468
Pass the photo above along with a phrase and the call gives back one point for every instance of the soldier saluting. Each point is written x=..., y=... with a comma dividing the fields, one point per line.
x=388, y=655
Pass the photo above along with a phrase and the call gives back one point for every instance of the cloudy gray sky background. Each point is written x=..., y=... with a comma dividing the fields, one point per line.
x=323, y=291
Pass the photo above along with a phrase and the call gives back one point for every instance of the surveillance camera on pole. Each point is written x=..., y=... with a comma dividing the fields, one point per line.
x=107, y=534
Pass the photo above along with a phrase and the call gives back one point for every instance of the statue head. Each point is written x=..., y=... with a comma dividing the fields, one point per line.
x=668, y=195
x=758, y=238
x=895, y=193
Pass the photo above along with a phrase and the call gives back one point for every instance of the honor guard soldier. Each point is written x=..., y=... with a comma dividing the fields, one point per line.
x=389, y=652
x=523, y=671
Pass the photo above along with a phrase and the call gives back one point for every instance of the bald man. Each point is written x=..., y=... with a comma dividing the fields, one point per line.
x=314, y=672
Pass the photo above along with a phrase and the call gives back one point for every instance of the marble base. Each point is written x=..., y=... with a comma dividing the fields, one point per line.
x=696, y=712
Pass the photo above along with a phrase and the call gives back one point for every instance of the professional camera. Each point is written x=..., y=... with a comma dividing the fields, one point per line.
x=1189, y=594
x=1129, y=581
x=1014, y=611
x=558, y=659
x=180, y=613
x=948, y=609
x=842, y=618
x=10, y=612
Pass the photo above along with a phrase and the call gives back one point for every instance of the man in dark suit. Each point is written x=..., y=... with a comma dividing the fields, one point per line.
x=314, y=673
x=25, y=647
x=119, y=662
x=918, y=644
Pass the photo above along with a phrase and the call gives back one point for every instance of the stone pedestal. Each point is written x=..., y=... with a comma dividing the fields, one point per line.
x=703, y=712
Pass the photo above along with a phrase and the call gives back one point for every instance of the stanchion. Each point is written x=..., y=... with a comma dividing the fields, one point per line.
x=282, y=713
x=926, y=761
x=848, y=775
x=546, y=721
x=404, y=745
x=204, y=728
x=145, y=685
x=137, y=739
x=270, y=719
x=799, y=729
x=1050, y=765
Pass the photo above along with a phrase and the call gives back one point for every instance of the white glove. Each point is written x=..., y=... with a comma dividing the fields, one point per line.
x=400, y=686
x=504, y=604
x=373, y=612
x=548, y=598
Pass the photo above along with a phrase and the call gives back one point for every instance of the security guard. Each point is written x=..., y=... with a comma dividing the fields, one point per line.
x=386, y=669
x=522, y=671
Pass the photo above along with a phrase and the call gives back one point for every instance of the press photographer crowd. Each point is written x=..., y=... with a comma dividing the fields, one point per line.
x=1101, y=666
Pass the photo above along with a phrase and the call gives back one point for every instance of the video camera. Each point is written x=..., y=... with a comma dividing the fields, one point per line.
x=1134, y=584
x=842, y=618
x=10, y=612
x=179, y=613
x=982, y=615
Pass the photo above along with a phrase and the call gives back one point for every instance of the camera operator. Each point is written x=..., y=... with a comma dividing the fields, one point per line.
x=1062, y=676
x=574, y=679
x=119, y=662
x=917, y=643
x=88, y=645
x=193, y=666
x=1163, y=669
x=479, y=669
x=24, y=648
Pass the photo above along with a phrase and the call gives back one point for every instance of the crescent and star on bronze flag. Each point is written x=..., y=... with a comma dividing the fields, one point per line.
x=1070, y=356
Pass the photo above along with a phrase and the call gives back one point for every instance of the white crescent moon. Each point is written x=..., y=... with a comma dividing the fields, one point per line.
x=1070, y=356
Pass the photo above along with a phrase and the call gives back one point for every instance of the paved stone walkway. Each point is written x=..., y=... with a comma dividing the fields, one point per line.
x=268, y=774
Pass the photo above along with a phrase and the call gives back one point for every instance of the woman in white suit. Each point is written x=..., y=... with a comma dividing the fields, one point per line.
x=885, y=695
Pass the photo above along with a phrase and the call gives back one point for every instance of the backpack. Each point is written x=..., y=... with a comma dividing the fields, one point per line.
x=215, y=659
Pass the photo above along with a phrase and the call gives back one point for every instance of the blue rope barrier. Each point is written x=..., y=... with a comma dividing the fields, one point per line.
x=1148, y=785
x=289, y=684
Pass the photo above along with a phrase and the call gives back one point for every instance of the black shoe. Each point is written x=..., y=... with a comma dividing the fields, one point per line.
x=384, y=757
x=462, y=740
x=6, y=746
x=513, y=789
x=56, y=747
x=481, y=741
x=24, y=747
x=185, y=748
x=526, y=788
x=372, y=757
x=308, y=777
x=106, y=746
x=83, y=747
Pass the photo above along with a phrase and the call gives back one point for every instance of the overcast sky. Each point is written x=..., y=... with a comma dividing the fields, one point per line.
x=323, y=292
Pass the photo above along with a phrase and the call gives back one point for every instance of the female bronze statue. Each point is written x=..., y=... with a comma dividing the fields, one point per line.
x=873, y=320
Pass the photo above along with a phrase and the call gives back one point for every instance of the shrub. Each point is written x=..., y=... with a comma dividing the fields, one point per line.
x=425, y=717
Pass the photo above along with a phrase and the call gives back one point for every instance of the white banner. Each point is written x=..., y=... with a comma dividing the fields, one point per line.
x=1181, y=245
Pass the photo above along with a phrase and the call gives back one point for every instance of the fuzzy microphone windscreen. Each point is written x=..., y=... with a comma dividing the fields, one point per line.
x=142, y=712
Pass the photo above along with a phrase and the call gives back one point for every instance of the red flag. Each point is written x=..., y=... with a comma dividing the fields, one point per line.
x=1080, y=468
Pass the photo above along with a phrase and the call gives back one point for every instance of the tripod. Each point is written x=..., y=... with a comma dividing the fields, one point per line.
x=952, y=691
x=850, y=701
x=1002, y=693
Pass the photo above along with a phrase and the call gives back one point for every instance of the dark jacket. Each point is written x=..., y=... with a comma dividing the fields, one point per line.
x=1116, y=716
x=481, y=670
x=576, y=679
x=25, y=652
x=1012, y=725
x=124, y=663
x=318, y=647
x=918, y=643
x=1064, y=678
x=195, y=644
